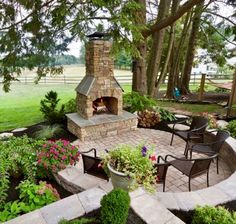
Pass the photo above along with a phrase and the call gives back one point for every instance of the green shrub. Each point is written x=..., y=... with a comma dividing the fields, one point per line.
x=115, y=207
x=17, y=157
x=137, y=102
x=48, y=131
x=70, y=106
x=49, y=108
x=213, y=215
x=32, y=196
x=231, y=127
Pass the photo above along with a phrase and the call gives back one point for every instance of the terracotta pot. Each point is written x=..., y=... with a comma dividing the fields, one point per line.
x=120, y=180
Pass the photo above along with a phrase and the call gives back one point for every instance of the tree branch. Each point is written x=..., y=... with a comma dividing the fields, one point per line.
x=209, y=24
x=226, y=18
x=170, y=19
x=26, y=17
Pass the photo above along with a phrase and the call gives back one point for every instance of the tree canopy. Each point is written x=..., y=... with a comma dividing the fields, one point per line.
x=32, y=32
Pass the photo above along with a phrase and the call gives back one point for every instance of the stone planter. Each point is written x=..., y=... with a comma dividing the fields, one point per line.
x=120, y=180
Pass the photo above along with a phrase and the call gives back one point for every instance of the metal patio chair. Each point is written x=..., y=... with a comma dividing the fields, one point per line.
x=210, y=148
x=195, y=133
x=92, y=165
x=192, y=167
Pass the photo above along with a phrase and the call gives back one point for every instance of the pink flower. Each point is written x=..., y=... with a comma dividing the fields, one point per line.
x=64, y=157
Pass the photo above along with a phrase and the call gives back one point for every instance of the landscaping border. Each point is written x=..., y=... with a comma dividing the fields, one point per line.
x=149, y=208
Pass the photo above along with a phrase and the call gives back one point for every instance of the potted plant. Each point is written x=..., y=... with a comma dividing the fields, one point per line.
x=130, y=166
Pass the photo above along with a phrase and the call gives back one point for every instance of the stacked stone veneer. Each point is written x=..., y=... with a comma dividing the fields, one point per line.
x=99, y=80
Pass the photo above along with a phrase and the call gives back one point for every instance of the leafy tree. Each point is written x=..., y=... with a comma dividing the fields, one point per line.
x=123, y=59
x=33, y=31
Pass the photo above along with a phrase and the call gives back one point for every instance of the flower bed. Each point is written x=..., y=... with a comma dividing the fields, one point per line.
x=23, y=163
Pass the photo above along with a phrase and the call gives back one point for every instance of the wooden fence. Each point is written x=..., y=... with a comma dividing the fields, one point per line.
x=122, y=79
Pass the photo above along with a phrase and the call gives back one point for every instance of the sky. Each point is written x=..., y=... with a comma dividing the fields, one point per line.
x=74, y=48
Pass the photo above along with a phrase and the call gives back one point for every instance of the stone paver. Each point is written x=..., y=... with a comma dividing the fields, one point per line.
x=175, y=181
x=19, y=129
x=67, y=208
x=152, y=211
x=5, y=135
x=91, y=198
x=34, y=217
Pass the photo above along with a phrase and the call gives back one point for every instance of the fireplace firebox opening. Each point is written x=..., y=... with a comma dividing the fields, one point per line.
x=105, y=105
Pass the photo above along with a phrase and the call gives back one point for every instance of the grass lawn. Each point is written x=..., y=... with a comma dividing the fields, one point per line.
x=20, y=107
x=194, y=108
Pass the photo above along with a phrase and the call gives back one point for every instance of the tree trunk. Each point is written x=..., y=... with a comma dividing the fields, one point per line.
x=156, y=49
x=175, y=6
x=173, y=77
x=139, y=83
x=191, y=49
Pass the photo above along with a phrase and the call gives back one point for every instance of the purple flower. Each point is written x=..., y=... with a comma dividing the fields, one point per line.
x=144, y=151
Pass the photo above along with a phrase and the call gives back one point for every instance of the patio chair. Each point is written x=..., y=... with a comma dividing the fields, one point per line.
x=210, y=148
x=195, y=133
x=192, y=167
x=161, y=168
x=92, y=165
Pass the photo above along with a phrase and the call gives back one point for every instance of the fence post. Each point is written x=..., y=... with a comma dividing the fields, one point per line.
x=232, y=100
x=64, y=79
x=25, y=79
x=201, y=90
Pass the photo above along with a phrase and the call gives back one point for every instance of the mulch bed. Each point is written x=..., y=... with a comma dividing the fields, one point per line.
x=210, y=97
x=36, y=127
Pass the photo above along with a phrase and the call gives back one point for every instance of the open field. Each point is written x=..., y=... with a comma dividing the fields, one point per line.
x=78, y=70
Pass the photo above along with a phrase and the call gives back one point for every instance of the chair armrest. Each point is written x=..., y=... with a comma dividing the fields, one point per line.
x=179, y=122
x=177, y=158
x=90, y=150
x=161, y=158
x=197, y=129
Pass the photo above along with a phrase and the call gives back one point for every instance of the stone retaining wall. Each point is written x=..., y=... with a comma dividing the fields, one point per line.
x=218, y=194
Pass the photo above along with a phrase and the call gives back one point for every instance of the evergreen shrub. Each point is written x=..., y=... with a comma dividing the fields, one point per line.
x=115, y=207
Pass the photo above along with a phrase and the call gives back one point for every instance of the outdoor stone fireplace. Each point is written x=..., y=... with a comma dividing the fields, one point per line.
x=99, y=97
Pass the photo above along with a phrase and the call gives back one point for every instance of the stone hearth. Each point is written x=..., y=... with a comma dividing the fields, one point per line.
x=101, y=125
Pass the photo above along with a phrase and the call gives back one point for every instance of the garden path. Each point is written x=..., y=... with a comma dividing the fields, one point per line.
x=160, y=140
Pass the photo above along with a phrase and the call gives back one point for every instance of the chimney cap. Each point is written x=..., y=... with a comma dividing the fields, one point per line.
x=97, y=35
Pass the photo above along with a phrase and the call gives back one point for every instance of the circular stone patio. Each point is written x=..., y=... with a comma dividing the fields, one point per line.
x=160, y=140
